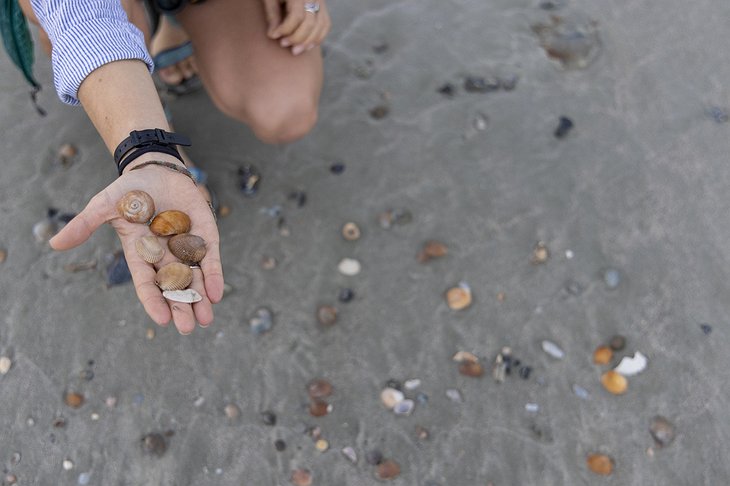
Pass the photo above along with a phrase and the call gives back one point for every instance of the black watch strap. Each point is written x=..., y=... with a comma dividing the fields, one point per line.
x=143, y=138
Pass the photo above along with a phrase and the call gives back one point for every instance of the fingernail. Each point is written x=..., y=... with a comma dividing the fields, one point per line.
x=285, y=43
x=296, y=50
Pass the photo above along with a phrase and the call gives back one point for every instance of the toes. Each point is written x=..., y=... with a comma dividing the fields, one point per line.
x=171, y=75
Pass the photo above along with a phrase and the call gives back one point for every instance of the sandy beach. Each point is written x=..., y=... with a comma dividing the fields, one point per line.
x=445, y=114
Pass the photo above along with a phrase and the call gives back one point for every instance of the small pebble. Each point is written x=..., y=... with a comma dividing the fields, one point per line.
x=154, y=444
x=326, y=315
x=73, y=399
x=301, y=477
x=262, y=321
x=232, y=411
x=15, y=458
x=480, y=122
x=319, y=388
x=224, y=211
x=569, y=254
x=390, y=397
x=199, y=401
x=431, y=249
x=150, y=334
x=337, y=168
x=379, y=112
x=499, y=368
x=5, y=365
x=268, y=262
x=279, y=445
x=404, y=407
x=350, y=454
x=454, y=395
x=68, y=465
x=706, y=328
x=581, y=392
x=44, y=230
x=422, y=433
x=84, y=478
x=532, y=407
x=387, y=470
x=475, y=84
x=268, y=417
x=30, y=422
x=412, y=384
x=617, y=343
x=448, y=90
x=600, y=464
x=95, y=416
x=374, y=457
x=422, y=398
x=565, y=125
x=540, y=253
x=345, y=295
x=300, y=197
x=349, y=267
x=662, y=430
x=111, y=402
x=86, y=375
x=612, y=278
x=350, y=231
x=322, y=445
x=392, y=217
x=459, y=298
x=553, y=349
x=248, y=180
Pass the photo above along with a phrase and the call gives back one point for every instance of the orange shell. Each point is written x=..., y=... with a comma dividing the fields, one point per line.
x=614, y=382
x=602, y=355
x=458, y=298
x=170, y=222
x=600, y=464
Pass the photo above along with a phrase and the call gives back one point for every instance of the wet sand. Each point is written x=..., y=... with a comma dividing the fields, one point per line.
x=639, y=184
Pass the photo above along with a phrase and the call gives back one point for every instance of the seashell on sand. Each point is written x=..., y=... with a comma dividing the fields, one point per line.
x=471, y=368
x=387, y=470
x=149, y=249
x=349, y=267
x=319, y=388
x=187, y=247
x=614, y=382
x=350, y=231
x=431, y=249
x=390, y=397
x=171, y=222
x=301, y=477
x=602, y=355
x=136, y=207
x=187, y=296
x=632, y=366
x=459, y=298
x=174, y=276
x=600, y=464
x=662, y=431
x=5, y=365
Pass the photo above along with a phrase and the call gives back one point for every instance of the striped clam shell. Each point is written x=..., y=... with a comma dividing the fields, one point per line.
x=187, y=247
x=150, y=249
x=174, y=276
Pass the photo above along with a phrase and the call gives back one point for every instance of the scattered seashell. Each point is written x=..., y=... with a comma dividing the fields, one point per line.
x=44, y=230
x=15, y=458
x=326, y=315
x=232, y=411
x=117, y=272
x=249, y=178
x=412, y=384
x=600, y=464
x=581, y=392
x=431, y=249
x=136, y=207
x=499, y=368
x=187, y=296
x=3, y=255
x=509, y=82
x=662, y=430
x=565, y=125
x=454, y=395
x=350, y=454
x=261, y=321
x=532, y=407
x=224, y=211
x=154, y=444
x=301, y=477
x=171, y=222
x=612, y=278
x=80, y=266
x=394, y=217
x=73, y=399
x=268, y=262
x=319, y=388
x=465, y=356
x=404, y=407
x=11, y=478
x=614, y=382
x=349, y=267
x=149, y=249
x=65, y=154
x=391, y=397
x=5, y=365
x=174, y=276
x=84, y=478
x=459, y=298
x=350, y=231
x=471, y=368
x=319, y=408
x=617, y=343
x=602, y=355
x=573, y=41
x=187, y=247
x=632, y=366
x=553, y=349
x=67, y=464
x=387, y=470
x=322, y=445
x=422, y=432
x=540, y=253
x=150, y=333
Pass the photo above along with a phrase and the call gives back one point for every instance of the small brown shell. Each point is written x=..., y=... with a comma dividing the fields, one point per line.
x=187, y=247
x=136, y=207
x=168, y=223
x=600, y=464
x=602, y=355
x=614, y=382
x=149, y=249
x=458, y=298
x=431, y=249
x=350, y=231
x=174, y=276
x=471, y=368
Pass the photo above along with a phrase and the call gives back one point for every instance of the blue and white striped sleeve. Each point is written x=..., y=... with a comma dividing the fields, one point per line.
x=86, y=34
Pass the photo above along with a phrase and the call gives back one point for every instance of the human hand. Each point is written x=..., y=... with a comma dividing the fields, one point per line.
x=169, y=190
x=294, y=27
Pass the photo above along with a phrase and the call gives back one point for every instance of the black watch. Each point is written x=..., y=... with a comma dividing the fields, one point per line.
x=143, y=141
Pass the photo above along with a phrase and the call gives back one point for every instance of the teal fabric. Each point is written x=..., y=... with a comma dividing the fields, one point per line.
x=17, y=39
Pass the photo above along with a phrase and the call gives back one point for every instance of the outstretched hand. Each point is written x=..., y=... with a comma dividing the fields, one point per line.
x=170, y=190
x=294, y=27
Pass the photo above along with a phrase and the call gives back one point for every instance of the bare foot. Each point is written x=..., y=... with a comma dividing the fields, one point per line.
x=168, y=36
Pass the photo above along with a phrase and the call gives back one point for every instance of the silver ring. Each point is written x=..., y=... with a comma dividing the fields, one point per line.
x=195, y=266
x=311, y=7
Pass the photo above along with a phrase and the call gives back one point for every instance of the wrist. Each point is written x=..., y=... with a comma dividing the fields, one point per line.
x=149, y=156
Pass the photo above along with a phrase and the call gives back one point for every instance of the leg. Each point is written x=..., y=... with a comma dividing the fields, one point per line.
x=249, y=76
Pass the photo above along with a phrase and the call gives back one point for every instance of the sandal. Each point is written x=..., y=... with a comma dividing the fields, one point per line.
x=170, y=57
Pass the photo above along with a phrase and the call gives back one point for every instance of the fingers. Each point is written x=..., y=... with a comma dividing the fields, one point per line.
x=294, y=16
x=272, y=9
x=204, y=309
x=301, y=33
x=99, y=210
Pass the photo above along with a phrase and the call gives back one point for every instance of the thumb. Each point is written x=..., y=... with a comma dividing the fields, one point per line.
x=78, y=230
x=273, y=15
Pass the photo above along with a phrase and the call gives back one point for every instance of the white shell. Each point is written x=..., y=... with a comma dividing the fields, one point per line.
x=412, y=384
x=391, y=397
x=5, y=365
x=349, y=267
x=404, y=407
x=188, y=296
x=632, y=366
x=553, y=349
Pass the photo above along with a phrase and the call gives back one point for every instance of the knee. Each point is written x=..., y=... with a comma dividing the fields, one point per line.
x=274, y=119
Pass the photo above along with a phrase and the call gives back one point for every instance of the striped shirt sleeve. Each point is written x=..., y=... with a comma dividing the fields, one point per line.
x=86, y=34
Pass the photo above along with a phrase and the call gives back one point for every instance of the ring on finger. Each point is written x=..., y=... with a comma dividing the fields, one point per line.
x=311, y=7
